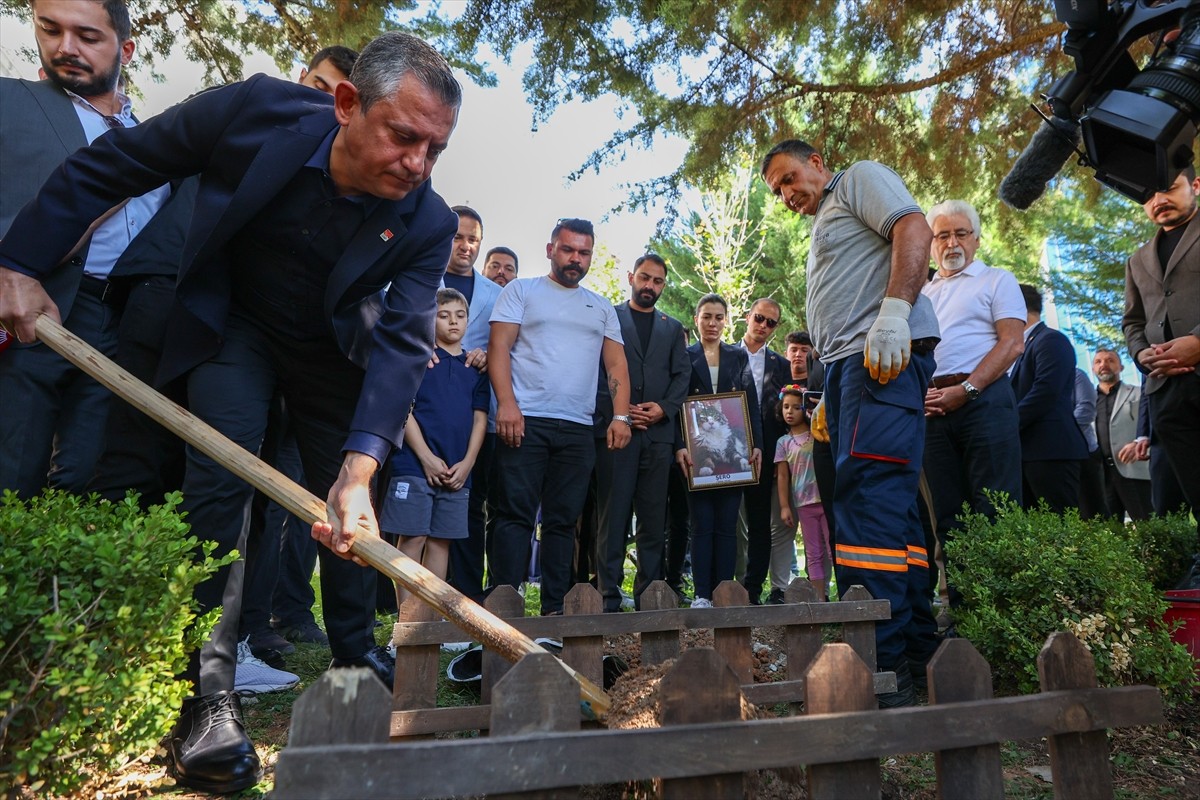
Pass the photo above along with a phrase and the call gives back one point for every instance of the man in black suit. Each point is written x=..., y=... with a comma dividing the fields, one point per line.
x=767, y=537
x=635, y=477
x=1052, y=446
x=52, y=423
x=317, y=243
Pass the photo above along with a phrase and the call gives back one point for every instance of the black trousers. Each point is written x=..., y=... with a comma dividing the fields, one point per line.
x=1056, y=482
x=1094, y=488
x=823, y=467
x=552, y=467
x=280, y=551
x=633, y=479
x=51, y=413
x=233, y=393
x=679, y=526
x=139, y=453
x=1175, y=421
x=1125, y=495
x=757, y=498
x=467, y=555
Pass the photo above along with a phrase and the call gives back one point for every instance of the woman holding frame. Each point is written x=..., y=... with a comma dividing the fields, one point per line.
x=716, y=367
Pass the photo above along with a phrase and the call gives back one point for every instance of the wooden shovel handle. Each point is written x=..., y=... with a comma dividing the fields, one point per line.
x=483, y=626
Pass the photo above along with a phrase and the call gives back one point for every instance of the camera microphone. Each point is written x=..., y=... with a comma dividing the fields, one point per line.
x=1054, y=142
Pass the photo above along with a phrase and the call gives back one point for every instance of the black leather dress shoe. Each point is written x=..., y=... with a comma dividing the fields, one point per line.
x=210, y=750
x=377, y=659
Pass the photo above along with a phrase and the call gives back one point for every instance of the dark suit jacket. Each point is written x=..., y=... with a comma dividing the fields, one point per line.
x=39, y=129
x=777, y=373
x=1154, y=295
x=247, y=140
x=733, y=375
x=659, y=375
x=157, y=249
x=1044, y=382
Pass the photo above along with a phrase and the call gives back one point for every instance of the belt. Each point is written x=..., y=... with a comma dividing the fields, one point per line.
x=98, y=288
x=925, y=346
x=953, y=379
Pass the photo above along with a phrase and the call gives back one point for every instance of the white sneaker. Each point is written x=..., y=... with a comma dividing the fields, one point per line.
x=702, y=602
x=254, y=676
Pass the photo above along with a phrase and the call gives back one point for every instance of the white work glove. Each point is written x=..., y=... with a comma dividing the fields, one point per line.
x=889, y=343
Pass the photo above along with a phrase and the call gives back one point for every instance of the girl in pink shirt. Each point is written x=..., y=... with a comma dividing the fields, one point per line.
x=797, y=484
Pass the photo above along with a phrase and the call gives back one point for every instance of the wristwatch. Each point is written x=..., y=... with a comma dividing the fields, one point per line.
x=972, y=392
x=622, y=418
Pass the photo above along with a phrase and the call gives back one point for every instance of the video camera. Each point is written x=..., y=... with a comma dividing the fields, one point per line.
x=1137, y=125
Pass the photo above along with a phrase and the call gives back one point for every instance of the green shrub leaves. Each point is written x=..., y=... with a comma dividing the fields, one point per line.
x=96, y=597
x=1029, y=573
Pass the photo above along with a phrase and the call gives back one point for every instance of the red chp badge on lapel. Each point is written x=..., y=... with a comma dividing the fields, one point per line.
x=386, y=235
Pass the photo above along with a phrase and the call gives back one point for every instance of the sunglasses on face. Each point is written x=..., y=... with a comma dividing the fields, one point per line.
x=761, y=320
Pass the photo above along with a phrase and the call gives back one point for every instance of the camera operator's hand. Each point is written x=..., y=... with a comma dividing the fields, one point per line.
x=817, y=425
x=889, y=343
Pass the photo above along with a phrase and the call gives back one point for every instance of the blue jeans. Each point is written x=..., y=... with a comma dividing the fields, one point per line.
x=552, y=468
x=878, y=437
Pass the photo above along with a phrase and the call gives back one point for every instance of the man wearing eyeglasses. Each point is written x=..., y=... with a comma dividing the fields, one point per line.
x=971, y=441
x=759, y=524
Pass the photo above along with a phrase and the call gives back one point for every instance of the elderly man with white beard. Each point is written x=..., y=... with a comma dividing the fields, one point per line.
x=971, y=441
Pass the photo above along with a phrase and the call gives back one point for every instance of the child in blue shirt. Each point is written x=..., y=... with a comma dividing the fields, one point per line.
x=426, y=500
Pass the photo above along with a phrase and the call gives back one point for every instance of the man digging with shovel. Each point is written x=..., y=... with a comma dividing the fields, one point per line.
x=306, y=210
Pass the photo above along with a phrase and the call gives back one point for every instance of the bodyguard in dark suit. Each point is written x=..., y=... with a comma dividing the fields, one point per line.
x=771, y=373
x=304, y=214
x=139, y=453
x=52, y=424
x=1162, y=328
x=1043, y=380
x=634, y=478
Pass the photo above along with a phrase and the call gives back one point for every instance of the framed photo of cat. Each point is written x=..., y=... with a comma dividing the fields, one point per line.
x=716, y=432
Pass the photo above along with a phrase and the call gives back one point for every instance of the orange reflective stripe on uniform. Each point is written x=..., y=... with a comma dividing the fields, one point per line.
x=918, y=556
x=875, y=558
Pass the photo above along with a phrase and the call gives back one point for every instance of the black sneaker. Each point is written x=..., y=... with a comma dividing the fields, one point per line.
x=904, y=695
x=919, y=677
x=775, y=598
x=377, y=659
x=304, y=633
x=269, y=646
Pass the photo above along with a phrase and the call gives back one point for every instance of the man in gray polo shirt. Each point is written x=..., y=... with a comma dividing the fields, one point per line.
x=875, y=332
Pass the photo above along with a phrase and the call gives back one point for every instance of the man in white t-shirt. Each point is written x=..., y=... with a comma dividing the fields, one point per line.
x=971, y=431
x=548, y=336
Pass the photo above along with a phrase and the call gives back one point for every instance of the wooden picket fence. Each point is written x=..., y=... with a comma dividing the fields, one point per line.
x=339, y=745
x=583, y=627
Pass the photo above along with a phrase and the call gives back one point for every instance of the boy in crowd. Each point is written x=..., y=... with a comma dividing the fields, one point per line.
x=426, y=500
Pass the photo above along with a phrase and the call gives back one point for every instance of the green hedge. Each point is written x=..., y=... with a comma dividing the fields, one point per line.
x=96, y=597
x=1029, y=573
